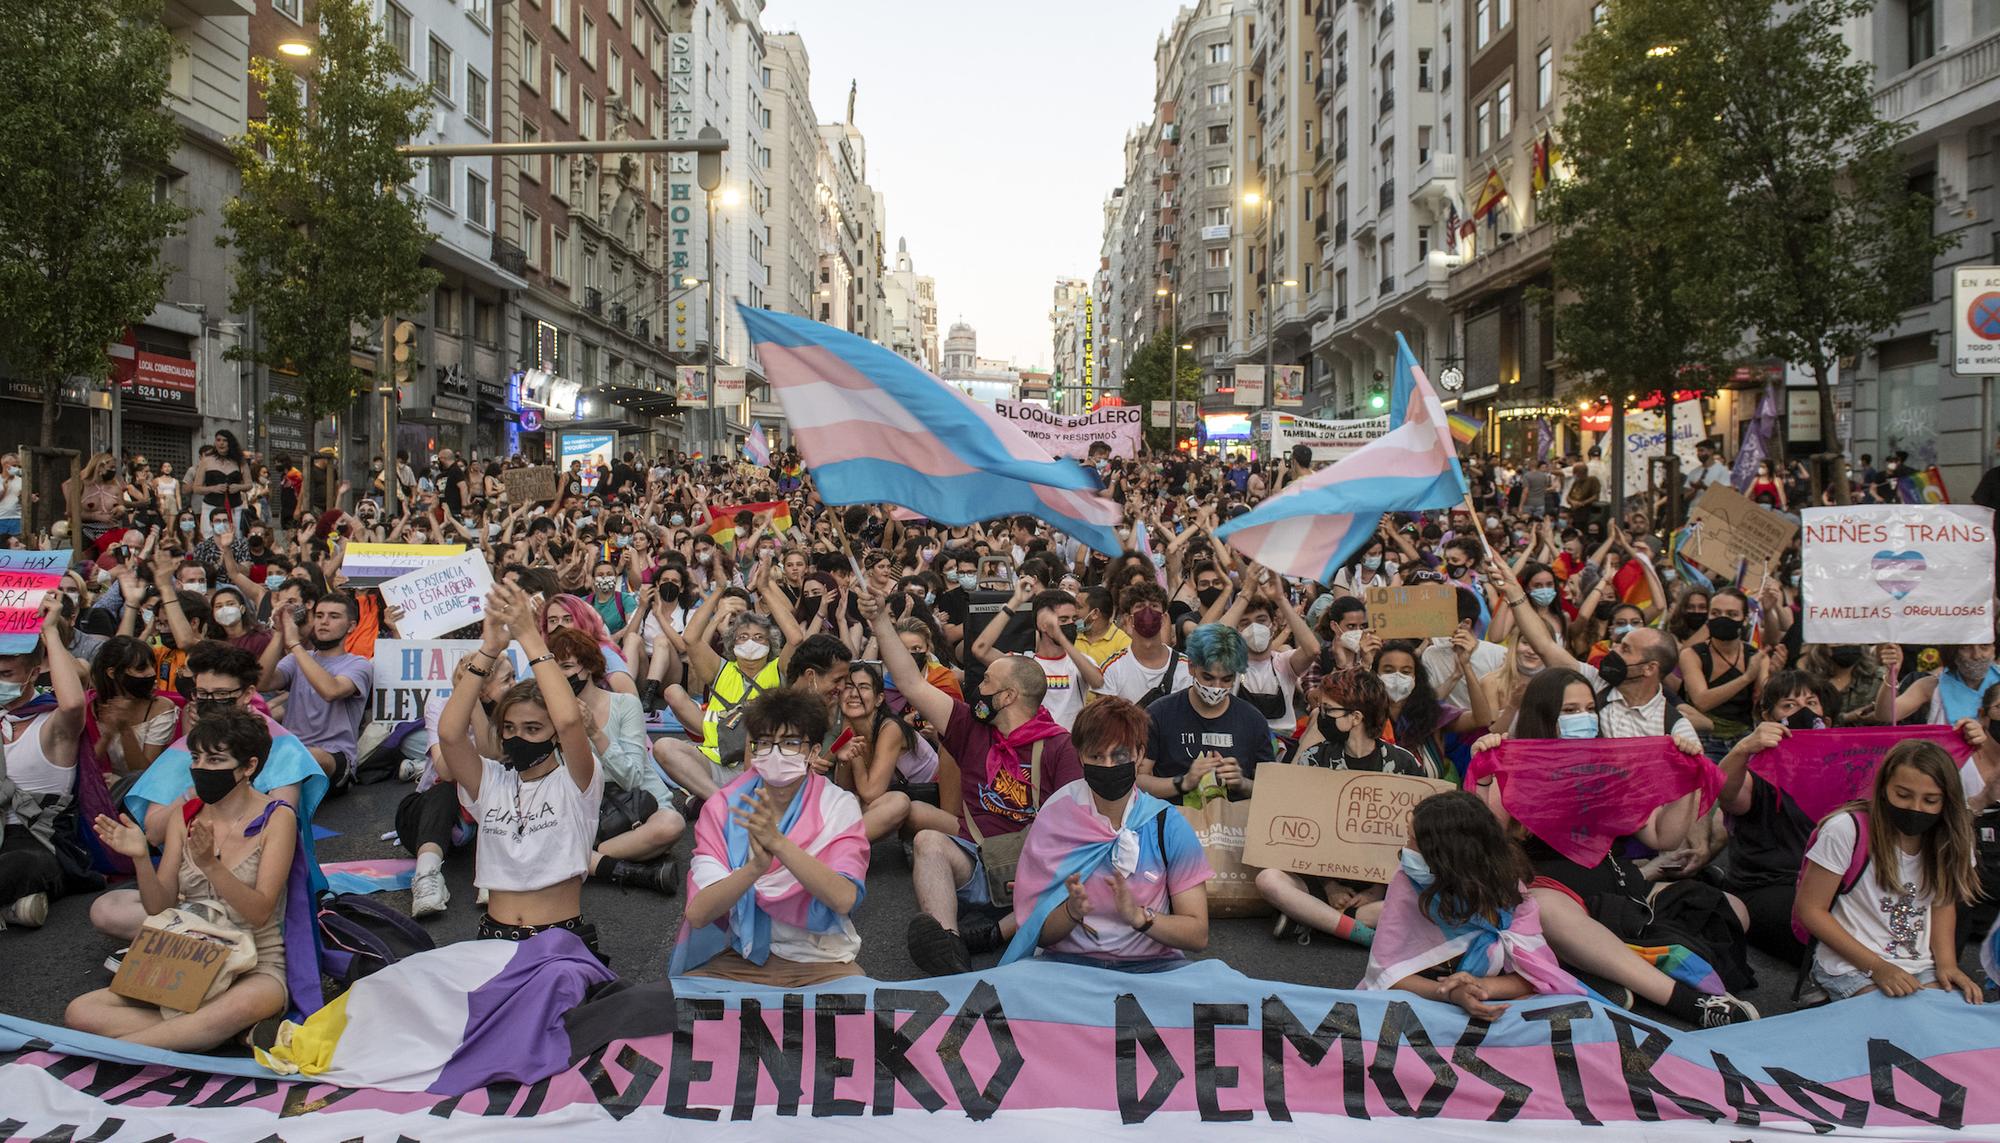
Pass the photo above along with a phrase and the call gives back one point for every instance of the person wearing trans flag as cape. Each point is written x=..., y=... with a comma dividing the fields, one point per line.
x=1110, y=875
x=780, y=860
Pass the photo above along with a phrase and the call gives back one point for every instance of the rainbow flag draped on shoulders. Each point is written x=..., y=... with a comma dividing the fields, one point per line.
x=877, y=429
x=1314, y=525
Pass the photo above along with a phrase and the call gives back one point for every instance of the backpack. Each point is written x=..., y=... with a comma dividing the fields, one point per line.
x=1857, y=863
x=361, y=936
x=1165, y=686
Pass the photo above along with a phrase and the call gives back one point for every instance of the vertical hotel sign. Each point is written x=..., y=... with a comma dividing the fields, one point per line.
x=680, y=167
x=1089, y=353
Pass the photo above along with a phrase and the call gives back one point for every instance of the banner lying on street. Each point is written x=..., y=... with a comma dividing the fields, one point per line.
x=1115, y=425
x=1912, y=573
x=1181, y=1052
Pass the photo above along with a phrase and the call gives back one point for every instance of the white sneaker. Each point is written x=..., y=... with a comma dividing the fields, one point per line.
x=116, y=960
x=428, y=894
x=29, y=912
x=410, y=770
x=1722, y=1011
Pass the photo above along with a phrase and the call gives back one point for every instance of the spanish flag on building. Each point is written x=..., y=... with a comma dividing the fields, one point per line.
x=1543, y=159
x=1491, y=194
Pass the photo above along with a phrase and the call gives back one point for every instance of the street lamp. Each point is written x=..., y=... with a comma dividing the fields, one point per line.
x=297, y=49
x=708, y=175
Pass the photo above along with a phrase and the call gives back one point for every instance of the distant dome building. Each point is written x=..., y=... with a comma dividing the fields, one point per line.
x=961, y=350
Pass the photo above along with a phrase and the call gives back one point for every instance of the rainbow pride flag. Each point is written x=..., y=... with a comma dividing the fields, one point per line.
x=722, y=518
x=1926, y=487
x=1464, y=429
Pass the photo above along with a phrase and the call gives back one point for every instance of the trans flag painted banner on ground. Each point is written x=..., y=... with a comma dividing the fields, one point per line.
x=1187, y=1053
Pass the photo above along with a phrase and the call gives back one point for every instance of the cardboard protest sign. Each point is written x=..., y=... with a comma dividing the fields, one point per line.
x=370, y=564
x=1332, y=823
x=1419, y=611
x=410, y=672
x=1221, y=825
x=170, y=970
x=441, y=597
x=527, y=485
x=1727, y=528
x=1911, y=573
x=25, y=578
x=1115, y=425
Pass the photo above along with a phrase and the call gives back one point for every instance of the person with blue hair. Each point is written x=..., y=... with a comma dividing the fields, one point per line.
x=1203, y=738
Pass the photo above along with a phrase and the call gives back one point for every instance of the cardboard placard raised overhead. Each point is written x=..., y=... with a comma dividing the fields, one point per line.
x=170, y=970
x=1418, y=611
x=1332, y=823
x=527, y=485
x=1726, y=528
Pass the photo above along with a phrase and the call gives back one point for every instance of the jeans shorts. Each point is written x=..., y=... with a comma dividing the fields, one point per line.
x=973, y=890
x=1847, y=984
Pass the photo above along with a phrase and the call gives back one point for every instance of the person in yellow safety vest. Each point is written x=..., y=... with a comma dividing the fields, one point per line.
x=753, y=667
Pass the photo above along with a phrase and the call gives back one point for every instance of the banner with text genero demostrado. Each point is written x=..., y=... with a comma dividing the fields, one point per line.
x=1199, y=1053
x=1907, y=573
x=1115, y=425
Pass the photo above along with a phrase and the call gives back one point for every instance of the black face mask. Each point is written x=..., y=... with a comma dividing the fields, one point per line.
x=522, y=754
x=140, y=688
x=1724, y=628
x=487, y=705
x=209, y=708
x=1069, y=631
x=327, y=644
x=211, y=786
x=1114, y=781
x=577, y=683
x=1329, y=729
x=1208, y=596
x=1910, y=823
x=1604, y=611
x=1844, y=657
x=1613, y=669
x=1805, y=719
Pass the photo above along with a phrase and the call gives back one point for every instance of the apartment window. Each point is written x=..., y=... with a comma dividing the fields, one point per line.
x=441, y=69
x=1923, y=31
x=446, y=310
x=764, y=157
x=1423, y=145
x=559, y=89
x=1218, y=258
x=440, y=181
x=477, y=10
x=1217, y=216
x=559, y=256
x=1340, y=129
x=532, y=165
x=531, y=62
x=586, y=42
x=586, y=120
x=1218, y=301
x=1423, y=69
x=286, y=8
x=1505, y=11
x=1482, y=23
x=1218, y=134
x=1545, y=76
x=396, y=24
x=764, y=117
x=614, y=71
x=485, y=322
x=1482, y=131
x=638, y=28
x=589, y=267
x=1218, y=53
x=1423, y=243
x=639, y=100
x=475, y=96
x=767, y=77
x=1503, y=109
x=1598, y=12
x=1388, y=76
x=616, y=10
x=476, y=199
x=559, y=17
x=1444, y=82
x=1218, y=176
x=1218, y=94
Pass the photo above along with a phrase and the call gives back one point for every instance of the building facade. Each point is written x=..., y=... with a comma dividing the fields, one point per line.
x=1072, y=321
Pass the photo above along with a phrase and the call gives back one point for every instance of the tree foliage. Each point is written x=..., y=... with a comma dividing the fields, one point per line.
x=329, y=238
x=83, y=85
x=1146, y=380
x=1733, y=191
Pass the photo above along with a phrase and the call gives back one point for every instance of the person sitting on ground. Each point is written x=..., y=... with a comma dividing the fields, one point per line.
x=753, y=665
x=430, y=822
x=38, y=773
x=230, y=864
x=637, y=855
x=1459, y=925
x=892, y=758
x=1149, y=669
x=1011, y=757
x=780, y=861
x=1203, y=736
x=1111, y=875
x=1893, y=933
x=537, y=806
x=326, y=687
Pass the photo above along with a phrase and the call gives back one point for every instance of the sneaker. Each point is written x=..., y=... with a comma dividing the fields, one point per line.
x=28, y=912
x=1282, y=927
x=428, y=894
x=410, y=770
x=652, y=695
x=936, y=950
x=1724, y=1010
x=263, y=1034
x=686, y=805
x=662, y=876
x=116, y=960
x=980, y=932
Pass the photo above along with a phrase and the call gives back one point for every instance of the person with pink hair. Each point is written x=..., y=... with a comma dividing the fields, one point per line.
x=569, y=611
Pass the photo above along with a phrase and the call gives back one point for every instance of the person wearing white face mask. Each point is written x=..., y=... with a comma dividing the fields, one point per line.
x=780, y=860
x=232, y=613
x=1204, y=730
x=1271, y=678
x=752, y=668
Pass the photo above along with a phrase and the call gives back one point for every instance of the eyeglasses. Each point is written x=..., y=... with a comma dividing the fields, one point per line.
x=786, y=747
x=219, y=696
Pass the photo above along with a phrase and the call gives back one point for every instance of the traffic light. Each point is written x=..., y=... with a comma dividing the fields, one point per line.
x=1378, y=398
x=399, y=355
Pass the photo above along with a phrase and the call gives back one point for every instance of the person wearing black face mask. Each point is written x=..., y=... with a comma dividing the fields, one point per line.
x=1851, y=676
x=129, y=723
x=1133, y=896
x=1723, y=674
x=1071, y=673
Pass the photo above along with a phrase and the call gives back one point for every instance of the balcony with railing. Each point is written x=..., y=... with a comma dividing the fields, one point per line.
x=1386, y=197
x=1340, y=233
x=1388, y=102
x=1945, y=87
x=1437, y=176
x=1340, y=151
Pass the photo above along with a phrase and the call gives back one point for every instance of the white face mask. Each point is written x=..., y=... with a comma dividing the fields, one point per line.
x=752, y=648
x=1398, y=686
x=605, y=584
x=1257, y=637
x=228, y=615
x=1211, y=696
x=1351, y=639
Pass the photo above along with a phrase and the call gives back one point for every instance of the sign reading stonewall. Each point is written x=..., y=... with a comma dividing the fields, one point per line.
x=1116, y=425
x=1041, y=1047
x=1912, y=573
x=441, y=597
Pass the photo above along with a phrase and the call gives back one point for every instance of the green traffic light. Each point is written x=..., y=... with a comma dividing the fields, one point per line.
x=1377, y=399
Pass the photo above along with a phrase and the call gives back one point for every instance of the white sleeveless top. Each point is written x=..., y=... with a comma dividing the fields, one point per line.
x=28, y=766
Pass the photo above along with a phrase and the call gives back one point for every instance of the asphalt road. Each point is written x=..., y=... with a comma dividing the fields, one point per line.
x=40, y=970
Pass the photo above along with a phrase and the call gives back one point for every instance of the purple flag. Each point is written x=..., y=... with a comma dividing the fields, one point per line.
x=1545, y=435
x=1756, y=442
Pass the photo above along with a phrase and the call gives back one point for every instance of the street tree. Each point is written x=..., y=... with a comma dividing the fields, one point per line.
x=328, y=233
x=82, y=91
x=1146, y=380
x=1639, y=307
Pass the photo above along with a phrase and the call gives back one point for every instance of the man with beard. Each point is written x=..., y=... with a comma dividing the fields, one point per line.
x=327, y=688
